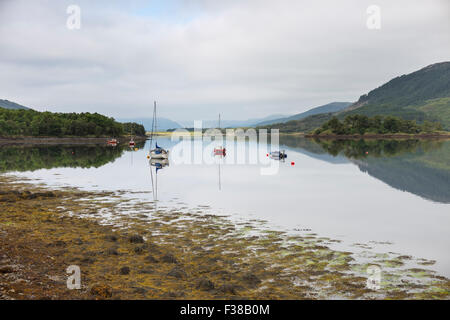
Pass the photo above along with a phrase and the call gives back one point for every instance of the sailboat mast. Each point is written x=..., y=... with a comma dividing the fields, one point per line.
x=154, y=113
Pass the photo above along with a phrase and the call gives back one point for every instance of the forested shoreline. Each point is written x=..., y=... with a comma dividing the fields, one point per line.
x=30, y=123
x=378, y=125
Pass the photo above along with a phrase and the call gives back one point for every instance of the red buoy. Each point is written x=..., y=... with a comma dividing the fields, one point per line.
x=292, y=163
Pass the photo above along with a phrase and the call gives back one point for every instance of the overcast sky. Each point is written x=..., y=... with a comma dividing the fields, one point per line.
x=242, y=58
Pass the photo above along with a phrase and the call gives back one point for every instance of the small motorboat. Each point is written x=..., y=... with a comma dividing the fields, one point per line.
x=132, y=143
x=278, y=155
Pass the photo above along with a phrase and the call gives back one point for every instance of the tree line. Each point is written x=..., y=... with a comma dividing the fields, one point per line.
x=361, y=124
x=34, y=123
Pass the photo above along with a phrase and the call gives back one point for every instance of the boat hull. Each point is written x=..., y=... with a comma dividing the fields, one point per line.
x=160, y=155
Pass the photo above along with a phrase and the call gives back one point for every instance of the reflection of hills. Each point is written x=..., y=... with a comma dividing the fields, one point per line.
x=418, y=167
x=310, y=148
x=411, y=175
x=30, y=158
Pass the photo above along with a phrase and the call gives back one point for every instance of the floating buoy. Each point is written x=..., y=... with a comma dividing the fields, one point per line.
x=148, y=157
x=292, y=163
x=267, y=154
x=367, y=152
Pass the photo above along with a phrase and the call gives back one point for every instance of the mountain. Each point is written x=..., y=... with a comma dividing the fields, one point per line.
x=327, y=108
x=421, y=95
x=162, y=123
x=11, y=105
x=233, y=123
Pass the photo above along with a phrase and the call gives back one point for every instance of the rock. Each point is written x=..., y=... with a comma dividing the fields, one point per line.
x=151, y=259
x=153, y=248
x=139, y=249
x=175, y=294
x=58, y=243
x=169, y=258
x=228, y=288
x=88, y=260
x=136, y=239
x=6, y=269
x=146, y=271
x=101, y=290
x=205, y=285
x=112, y=252
x=222, y=274
x=178, y=273
x=78, y=241
x=124, y=271
x=111, y=237
x=251, y=280
x=140, y=290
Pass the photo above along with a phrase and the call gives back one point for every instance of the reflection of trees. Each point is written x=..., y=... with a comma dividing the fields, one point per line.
x=30, y=158
x=360, y=149
x=421, y=167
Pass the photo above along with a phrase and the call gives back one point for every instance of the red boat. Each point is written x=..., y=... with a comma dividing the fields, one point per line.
x=220, y=151
x=132, y=144
x=112, y=142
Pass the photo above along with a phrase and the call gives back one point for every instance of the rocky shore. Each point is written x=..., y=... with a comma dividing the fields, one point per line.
x=63, y=140
x=133, y=250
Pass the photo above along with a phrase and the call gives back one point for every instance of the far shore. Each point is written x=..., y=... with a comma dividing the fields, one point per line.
x=65, y=140
x=439, y=135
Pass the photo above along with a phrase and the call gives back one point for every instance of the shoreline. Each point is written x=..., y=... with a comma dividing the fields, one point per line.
x=64, y=140
x=379, y=136
x=148, y=253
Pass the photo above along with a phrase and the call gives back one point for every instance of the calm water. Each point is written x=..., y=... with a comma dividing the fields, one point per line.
x=393, y=196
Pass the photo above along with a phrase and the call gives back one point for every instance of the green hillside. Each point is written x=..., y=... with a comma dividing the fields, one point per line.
x=422, y=96
x=415, y=88
x=43, y=124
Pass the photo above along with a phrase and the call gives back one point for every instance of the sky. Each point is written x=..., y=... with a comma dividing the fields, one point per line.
x=196, y=58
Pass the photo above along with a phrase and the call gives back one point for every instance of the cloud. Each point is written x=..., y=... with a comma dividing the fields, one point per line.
x=198, y=57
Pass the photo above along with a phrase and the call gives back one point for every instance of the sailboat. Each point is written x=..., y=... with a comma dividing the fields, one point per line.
x=131, y=143
x=220, y=150
x=157, y=152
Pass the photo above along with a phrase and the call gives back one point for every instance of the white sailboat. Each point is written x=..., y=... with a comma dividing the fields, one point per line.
x=157, y=152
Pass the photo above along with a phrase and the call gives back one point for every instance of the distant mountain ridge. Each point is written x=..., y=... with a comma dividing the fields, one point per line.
x=162, y=123
x=327, y=108
x=233, y=123
x=12, y=105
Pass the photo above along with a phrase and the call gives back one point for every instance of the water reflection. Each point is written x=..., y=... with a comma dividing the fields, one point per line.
x=35, y=157
x=421, y=167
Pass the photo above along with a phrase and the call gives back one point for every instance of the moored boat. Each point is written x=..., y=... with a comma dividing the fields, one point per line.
x=157, y=152
x=278, y=155
x=112, y=142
